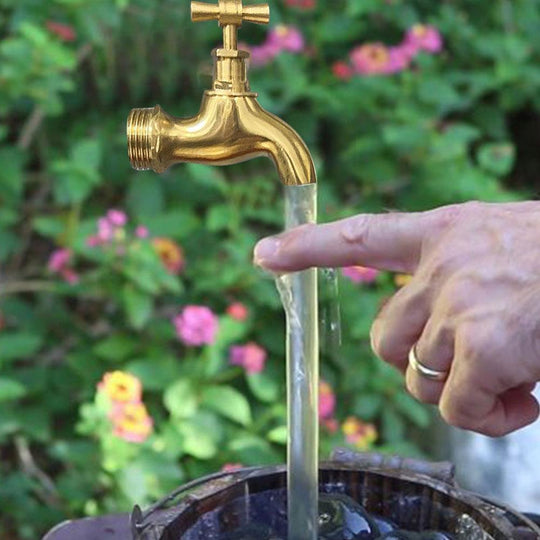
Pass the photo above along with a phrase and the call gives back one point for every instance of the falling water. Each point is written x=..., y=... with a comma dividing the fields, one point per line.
x=330, y=315
x=299, y=296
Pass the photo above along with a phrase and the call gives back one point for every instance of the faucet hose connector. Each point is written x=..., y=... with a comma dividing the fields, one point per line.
x=141, y=139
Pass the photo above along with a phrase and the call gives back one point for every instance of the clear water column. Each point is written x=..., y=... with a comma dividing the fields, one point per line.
x=299, y=296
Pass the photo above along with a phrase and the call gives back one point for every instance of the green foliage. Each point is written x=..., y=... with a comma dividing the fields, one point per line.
x=450, y=129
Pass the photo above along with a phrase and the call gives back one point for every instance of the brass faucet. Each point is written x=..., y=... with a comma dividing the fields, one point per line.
x=231, y=125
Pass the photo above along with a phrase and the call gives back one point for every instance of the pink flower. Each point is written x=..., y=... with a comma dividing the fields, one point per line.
x=142, y=232
x=238, y=311
x=110, y=229
x=105, y=230
x=59, y=259
x=62, y=31
x=93, y=241
x=360, y=274
x=327, y=401
x=286, y=38
x=251, y=357
x=59, y=263
x=117, y=218
x=196, y=326
x=400, y=59
x=70, y=276
x=423, y=37
x=371, y=59
x=342, y=70
x=261, y=55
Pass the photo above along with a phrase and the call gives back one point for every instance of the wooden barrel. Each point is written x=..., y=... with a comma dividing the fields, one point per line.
x=416, y=495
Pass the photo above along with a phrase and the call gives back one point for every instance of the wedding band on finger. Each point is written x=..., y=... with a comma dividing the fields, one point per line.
x=424, y=371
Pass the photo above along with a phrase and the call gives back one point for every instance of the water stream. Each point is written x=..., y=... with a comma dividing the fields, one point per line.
x=299, y=296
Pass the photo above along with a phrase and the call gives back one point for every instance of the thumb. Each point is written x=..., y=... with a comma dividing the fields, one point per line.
x=387, y=241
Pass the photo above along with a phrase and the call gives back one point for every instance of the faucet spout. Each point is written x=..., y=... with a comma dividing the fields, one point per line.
x=228, y=129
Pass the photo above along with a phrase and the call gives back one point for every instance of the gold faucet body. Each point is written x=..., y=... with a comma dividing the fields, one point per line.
x=231, y=125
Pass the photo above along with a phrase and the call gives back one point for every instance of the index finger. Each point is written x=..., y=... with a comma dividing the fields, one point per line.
x=390, y=241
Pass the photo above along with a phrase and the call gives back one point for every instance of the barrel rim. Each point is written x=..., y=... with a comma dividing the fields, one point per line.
x=207, y=494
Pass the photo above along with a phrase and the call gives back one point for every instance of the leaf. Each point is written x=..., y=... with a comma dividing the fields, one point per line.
x=228, y=402
x=145, y=195
x=17, y=345
x=11, y=174
x=498, y=158
x=202, y=434
x=278, y=435
x=439, y=92
x=416, y=412
x=263, y=386
x=52, y=227
x=180, y=399
x=252, y=450
x=178, y=224
x=10, y=389
x=87, y=153
x=197, y=440
x=367, y=406
x=393, y=428
x=156, y=372
x=138, y=306
x=230, y=331
x=222, y=217
x=115, y=348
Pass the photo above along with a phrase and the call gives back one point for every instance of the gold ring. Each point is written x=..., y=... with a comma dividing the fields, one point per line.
x=424, y=371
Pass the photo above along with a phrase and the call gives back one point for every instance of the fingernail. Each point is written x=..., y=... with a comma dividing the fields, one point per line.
x=265, y=250
x=373, y=336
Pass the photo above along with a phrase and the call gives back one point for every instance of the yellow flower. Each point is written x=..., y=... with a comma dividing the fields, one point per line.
x=402, y=279
x=360, y=434
x=122, y=387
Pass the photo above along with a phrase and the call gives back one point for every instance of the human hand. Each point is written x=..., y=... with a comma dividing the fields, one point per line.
x=472, y=307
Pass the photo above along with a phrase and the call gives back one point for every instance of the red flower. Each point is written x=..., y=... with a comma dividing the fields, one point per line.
x=62, y=31
x=302, y=4
x=342, y=70
x=238, y=311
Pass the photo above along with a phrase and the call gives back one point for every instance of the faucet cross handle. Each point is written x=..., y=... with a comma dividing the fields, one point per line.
x=230, y=14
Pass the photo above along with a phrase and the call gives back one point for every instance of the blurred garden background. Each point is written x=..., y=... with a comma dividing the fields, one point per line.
x=139, y=347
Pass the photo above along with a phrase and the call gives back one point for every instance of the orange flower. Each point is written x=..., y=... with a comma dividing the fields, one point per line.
x=358, y=433
x=131, y=422
x=232, y=467
x=171, y=254
x=121, y=387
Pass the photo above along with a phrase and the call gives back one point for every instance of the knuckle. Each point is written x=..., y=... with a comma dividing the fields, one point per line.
x=456, y=296
x=441, y=264
x=455, y=415
x=469, y=342
x=356, y=230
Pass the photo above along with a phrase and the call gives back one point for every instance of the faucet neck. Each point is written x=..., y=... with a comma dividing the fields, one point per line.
x=230, y=71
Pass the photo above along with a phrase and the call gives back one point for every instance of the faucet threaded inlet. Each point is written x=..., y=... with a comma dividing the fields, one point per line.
x=141, y=149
